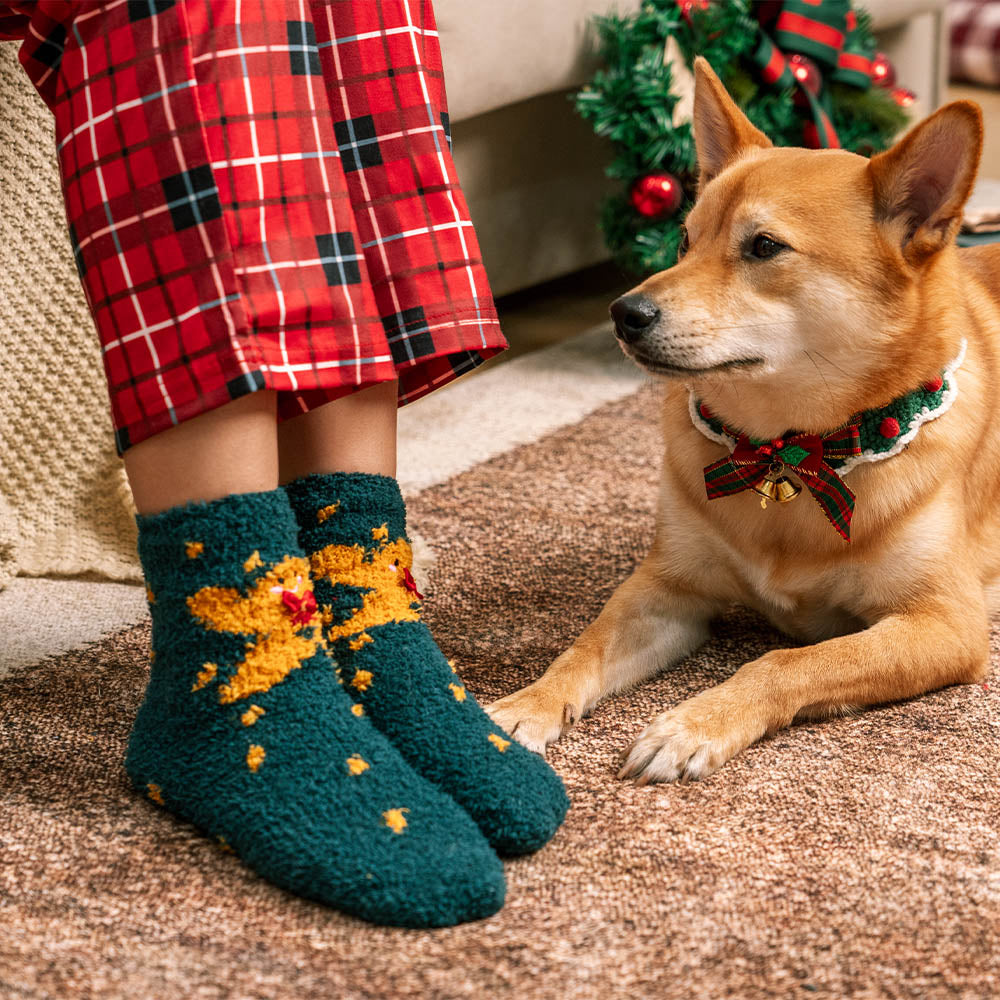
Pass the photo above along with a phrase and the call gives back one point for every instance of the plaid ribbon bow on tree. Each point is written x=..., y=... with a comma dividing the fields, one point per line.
x=806, y=455
x=825, y=31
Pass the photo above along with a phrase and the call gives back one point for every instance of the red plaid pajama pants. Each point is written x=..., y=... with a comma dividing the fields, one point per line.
x=260, y=194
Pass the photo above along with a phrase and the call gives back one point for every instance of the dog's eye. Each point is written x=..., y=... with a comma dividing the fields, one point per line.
x=764, y=247
x=685, y=242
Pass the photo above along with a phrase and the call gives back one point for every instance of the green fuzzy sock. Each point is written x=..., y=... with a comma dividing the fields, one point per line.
x=353, y=527
x=245, y=732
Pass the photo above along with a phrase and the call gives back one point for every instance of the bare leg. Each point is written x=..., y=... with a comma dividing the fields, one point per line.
x=355, y=433
x=232, y=449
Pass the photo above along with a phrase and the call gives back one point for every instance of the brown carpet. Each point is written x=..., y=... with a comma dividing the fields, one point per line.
x=856, y=858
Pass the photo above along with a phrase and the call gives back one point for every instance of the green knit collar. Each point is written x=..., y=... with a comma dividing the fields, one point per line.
x=884, y=431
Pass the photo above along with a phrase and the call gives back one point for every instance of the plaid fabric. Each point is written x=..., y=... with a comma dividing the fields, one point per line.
x=260, y=194
x=975, y=41
x=806, y=454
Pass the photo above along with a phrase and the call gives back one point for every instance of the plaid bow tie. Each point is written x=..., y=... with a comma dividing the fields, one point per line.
x=806, y=455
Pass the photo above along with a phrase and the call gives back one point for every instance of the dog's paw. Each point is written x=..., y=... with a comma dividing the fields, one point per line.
x=692, y=740
x=534, y=719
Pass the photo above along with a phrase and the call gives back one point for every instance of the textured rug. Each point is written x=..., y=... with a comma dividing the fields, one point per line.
x=855, y=858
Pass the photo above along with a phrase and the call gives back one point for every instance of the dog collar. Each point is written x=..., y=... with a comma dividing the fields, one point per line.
x=820, y=460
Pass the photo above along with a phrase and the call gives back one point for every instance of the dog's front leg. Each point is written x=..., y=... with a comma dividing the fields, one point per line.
x=646, y=625
x=942, y=641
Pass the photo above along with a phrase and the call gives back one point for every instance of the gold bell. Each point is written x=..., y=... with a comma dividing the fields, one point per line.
x=768, y=490
x=787, y=490
x=776, y=487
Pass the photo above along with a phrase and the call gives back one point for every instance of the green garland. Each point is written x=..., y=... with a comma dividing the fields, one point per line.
x=630, y=101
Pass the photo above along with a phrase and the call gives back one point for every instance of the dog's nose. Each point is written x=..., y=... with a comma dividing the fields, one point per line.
x=633, y=315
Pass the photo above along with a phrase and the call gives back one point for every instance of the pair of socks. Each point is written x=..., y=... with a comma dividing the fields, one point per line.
x=300, y=712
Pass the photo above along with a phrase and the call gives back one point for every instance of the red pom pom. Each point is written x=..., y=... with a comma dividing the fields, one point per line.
x=883, y=71
x=889, y=428
x=934, y=384
x=705, y=412
x=806, y=72
x=656, y=195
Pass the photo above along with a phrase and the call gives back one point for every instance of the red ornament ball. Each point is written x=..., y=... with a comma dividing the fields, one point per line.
x=903, y=97
x=656, y=195
x=686, y=6
x=889, y=428
x=883, y=71
x=806, y=72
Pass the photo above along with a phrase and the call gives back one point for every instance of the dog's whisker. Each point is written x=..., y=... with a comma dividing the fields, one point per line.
x=820, y=373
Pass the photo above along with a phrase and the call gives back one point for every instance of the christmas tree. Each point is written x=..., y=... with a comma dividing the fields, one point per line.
x=804, y=72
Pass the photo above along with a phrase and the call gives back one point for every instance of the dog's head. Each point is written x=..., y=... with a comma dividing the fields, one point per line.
x=798, y=291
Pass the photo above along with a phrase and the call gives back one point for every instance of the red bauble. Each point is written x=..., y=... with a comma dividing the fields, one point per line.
x=903, y=97
x=806, y=72
x=656, y=195
x=686, y=6
x=883, y=71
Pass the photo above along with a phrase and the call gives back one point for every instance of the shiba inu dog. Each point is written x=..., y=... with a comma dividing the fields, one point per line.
x=822, y=341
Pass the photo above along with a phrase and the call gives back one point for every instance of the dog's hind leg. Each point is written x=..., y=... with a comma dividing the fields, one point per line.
x=648, y=624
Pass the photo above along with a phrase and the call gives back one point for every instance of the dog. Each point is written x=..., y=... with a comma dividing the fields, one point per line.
x=822, y=333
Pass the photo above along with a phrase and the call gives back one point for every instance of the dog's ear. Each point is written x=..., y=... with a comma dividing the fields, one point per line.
x=721, y=130
x=921, y=184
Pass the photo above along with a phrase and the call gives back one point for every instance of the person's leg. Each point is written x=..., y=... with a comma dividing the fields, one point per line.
x=233, y=449
x=206, y=282
x=337, y=462
x=356, y=433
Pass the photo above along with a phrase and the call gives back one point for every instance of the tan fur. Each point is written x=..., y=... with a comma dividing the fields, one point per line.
x=872, y=300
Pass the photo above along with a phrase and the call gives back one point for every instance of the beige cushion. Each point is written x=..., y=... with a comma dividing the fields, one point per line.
x=65, y=506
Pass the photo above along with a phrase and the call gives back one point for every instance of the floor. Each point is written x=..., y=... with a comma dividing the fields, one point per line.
x=550, y=313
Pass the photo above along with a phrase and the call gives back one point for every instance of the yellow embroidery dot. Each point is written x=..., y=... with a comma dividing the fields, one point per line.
x=253, y=562
x=194, y=549
x=356, y=765
x=451, y=663
x=155, y=793
x=224, y=844
x=499, y=742
x=326, y=512
x=362, y=680
x=358, y=710
x=255, y=757
x=381, y=534
x=207, y=672
x=251, y=715
x=149, y=596
x=395, y=820
x=360, y=641
x=152, y=655
x=458, y=691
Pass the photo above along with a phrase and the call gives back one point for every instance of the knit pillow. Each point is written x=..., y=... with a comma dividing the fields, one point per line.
x=65, y=506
